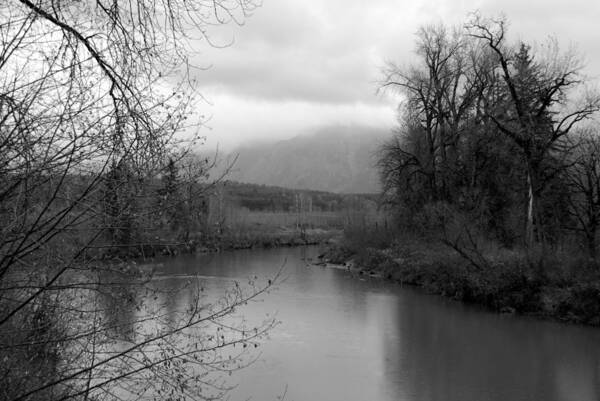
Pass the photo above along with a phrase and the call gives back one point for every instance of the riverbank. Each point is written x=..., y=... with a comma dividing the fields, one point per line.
x=281, y=237
x=545, y=283
x=215, y=242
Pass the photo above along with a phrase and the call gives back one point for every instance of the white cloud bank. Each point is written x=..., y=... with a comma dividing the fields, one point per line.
x=301, y=64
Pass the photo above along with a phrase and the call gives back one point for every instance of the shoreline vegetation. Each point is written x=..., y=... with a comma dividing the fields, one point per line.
x=282, y=237
x=231, y=215
x=544, y=283
x=491, y=180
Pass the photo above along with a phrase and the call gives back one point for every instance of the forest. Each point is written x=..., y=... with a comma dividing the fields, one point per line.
x=504, y=133
x=493, y=173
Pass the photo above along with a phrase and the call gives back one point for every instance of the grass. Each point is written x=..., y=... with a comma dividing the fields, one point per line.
x=325, y=220
x=247, y=229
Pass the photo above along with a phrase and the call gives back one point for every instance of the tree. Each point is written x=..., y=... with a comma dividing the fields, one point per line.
x=170, y=200
x=194, y=171
x=119, y=204
x=583, y=179
x=531, y=107
x=430, y=159
x=88, y=110
x=441, y=95
x=485, y=133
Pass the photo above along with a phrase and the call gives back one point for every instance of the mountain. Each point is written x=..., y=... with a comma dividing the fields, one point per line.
x=334, y=159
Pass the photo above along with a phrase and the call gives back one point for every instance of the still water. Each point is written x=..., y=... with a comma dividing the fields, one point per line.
x=346, y=337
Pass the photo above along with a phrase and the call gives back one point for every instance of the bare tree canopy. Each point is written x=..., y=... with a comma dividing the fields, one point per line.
x=96, y=119
x=487, y=128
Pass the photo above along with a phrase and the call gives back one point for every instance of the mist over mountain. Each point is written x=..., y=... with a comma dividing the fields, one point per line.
x=336, y=159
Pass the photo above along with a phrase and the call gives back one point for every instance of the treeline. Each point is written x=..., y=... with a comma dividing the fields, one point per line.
x=255, y=197
x=118, y=209
x=492, y=177
x=497, y=142
x=175, y=208
x=166, y=208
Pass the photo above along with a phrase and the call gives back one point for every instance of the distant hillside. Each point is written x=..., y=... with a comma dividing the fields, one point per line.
x=334, y=159
x=254, y=197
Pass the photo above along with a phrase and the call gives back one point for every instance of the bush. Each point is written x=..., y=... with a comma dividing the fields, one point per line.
x=582, y=304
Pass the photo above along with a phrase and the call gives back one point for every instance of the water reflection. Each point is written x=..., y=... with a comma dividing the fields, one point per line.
x=351, y=338
x=447, y=352
x=117, y=301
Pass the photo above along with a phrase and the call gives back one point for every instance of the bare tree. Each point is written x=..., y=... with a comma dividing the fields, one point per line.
x=531, y=105
x=583, y=178
x=85, y=87
x=440, y=95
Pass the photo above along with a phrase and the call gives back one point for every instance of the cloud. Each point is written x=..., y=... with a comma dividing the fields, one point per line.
x=323, y=56
x=573, y=22
x=240, y=120
x=315, y=51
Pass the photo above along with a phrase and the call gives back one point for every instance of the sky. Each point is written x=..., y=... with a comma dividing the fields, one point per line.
x=295, y=66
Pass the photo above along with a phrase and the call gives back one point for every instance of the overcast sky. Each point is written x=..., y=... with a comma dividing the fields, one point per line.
x=296, y=64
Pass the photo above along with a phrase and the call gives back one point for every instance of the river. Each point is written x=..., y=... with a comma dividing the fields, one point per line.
x=347, y=337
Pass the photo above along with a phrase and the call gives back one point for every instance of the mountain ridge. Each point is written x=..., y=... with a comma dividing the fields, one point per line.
x=335, y=159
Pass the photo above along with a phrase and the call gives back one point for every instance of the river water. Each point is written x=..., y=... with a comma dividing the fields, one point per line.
x=347, y=337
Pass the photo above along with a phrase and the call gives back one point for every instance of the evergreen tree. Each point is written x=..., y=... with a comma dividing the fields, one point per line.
x=531, y=109
x=171, y=204
x=119, y=203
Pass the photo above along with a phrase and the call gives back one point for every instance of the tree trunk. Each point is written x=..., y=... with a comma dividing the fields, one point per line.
x=529, y=227
x=591, y=243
